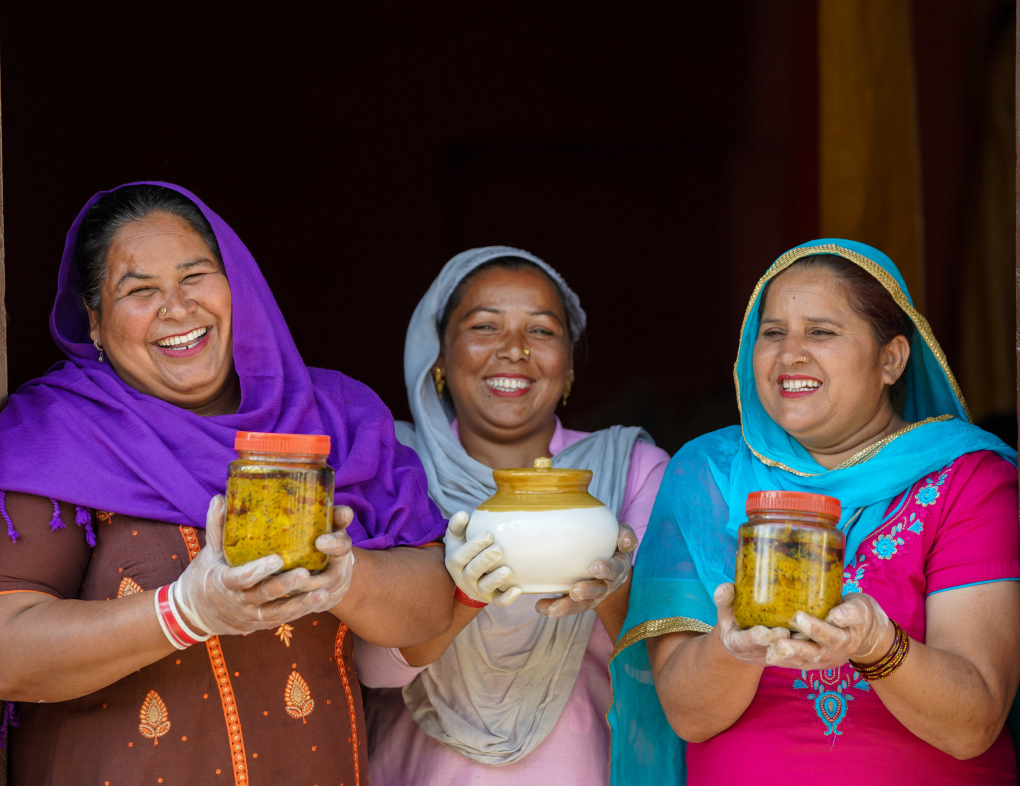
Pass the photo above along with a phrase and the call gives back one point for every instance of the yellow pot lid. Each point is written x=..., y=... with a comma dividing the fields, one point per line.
x=543, y=487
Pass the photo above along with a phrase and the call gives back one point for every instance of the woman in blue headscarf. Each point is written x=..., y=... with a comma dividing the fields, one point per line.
x=843, y=391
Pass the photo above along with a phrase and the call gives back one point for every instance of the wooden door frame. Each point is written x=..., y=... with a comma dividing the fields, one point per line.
x=3, y=360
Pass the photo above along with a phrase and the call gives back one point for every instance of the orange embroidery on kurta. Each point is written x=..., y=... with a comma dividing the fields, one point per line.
x=128, y=586
x=284, y=632
x=104, y=516
x=298, y=698
x=191, y=541
x=155, y=721
x=230, y=712
x=338, y=648
x=235, y=739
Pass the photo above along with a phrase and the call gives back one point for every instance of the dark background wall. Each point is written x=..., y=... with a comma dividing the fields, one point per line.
x=659, y=156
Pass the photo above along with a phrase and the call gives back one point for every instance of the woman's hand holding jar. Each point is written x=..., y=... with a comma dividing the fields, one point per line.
x=218, y=599
x=750, y=646
x=856, y=630
x=609, y=576
x=477, y=565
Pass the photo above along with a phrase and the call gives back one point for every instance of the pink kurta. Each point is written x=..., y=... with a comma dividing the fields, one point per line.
x=953, y=528
x=576, y=753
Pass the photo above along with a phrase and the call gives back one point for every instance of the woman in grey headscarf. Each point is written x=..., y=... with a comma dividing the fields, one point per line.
x=510, y=694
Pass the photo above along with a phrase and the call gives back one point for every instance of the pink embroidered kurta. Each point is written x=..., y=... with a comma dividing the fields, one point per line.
x=953, y=528
x=576, y=753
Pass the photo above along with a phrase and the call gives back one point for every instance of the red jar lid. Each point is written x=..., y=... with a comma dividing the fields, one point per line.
x=297, y=444
x=792, y=500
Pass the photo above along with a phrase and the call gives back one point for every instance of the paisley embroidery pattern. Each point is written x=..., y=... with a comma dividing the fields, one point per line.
x=155, y=720
x=104, y=516
x=834, y=689
x=298, y=698
x=285, y=632
x=128, y=586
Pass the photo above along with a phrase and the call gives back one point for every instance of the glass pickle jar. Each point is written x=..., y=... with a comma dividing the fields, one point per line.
x=789, y=558
x=279, y=499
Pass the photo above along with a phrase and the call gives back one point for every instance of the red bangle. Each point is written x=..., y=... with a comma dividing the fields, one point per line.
x=175, y=631
x=463, y=598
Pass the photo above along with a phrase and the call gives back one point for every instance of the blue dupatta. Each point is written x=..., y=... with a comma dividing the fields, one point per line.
x=690, y=545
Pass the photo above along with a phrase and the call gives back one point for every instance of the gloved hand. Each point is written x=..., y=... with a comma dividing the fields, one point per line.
x=477, y=565
x=609, y=577
x=217, y=599
x=854, y=630
x=749, y=646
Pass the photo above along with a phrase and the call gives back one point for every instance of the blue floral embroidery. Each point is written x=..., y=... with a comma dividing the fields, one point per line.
x=853, y=576
x=885, y=546
x=930, y=493
x=833, y=692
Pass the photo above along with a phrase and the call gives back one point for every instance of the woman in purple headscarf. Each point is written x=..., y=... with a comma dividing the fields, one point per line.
x=107, y=467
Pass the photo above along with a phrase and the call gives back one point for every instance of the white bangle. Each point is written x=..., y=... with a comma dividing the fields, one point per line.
x=170, y=620
x=177, y=604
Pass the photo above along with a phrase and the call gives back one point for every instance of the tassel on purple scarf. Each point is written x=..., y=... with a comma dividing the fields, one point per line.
x=8, y=720
x=11, y=532
x=84, y=519
x=55, y=522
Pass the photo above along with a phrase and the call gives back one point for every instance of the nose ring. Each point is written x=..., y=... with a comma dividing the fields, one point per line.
x=527, y=351
x=162, y=311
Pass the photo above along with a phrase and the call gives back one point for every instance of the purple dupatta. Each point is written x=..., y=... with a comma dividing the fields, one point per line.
x=82, y=435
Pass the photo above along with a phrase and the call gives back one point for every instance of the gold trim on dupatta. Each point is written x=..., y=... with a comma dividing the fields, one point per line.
x=893, y=288
x=653, y=628
x=647, y=630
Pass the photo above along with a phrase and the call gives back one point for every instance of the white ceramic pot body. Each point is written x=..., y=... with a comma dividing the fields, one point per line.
x=549, y=550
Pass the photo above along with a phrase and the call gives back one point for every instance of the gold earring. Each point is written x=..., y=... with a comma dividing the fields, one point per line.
x=95, y=343
x=440, y=384
x=566, y=392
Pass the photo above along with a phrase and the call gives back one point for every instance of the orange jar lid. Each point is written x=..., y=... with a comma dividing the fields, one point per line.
x=793, y=500
x=296, y=444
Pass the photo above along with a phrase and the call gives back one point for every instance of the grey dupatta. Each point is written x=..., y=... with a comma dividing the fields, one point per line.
x=501, y=686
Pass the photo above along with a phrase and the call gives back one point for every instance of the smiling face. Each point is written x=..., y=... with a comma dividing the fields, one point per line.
x=500, y=391
x=818, y=368
x=184, y=356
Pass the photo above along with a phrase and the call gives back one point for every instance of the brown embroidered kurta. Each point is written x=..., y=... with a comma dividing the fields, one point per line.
x=271, y=708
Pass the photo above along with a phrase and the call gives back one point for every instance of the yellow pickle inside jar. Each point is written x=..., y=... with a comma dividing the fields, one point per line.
x=279, y=499
x=789, y=558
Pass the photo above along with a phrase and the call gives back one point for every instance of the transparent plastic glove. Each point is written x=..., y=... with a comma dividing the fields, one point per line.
x=221, y=600
x=609, y=577
x=748, y=646
x=477, y=565
x=853, y=630
x=337, y=576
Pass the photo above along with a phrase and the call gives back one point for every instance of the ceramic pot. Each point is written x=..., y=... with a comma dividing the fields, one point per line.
x=549, y=527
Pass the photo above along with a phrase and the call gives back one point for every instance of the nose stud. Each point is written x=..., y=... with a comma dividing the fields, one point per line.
x=162, y=311
x=527, y=352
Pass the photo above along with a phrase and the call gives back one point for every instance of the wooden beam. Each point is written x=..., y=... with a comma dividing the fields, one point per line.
x=3, y=363
x=3, y=310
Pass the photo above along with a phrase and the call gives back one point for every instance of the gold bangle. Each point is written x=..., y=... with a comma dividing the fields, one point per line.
x=891, y=661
